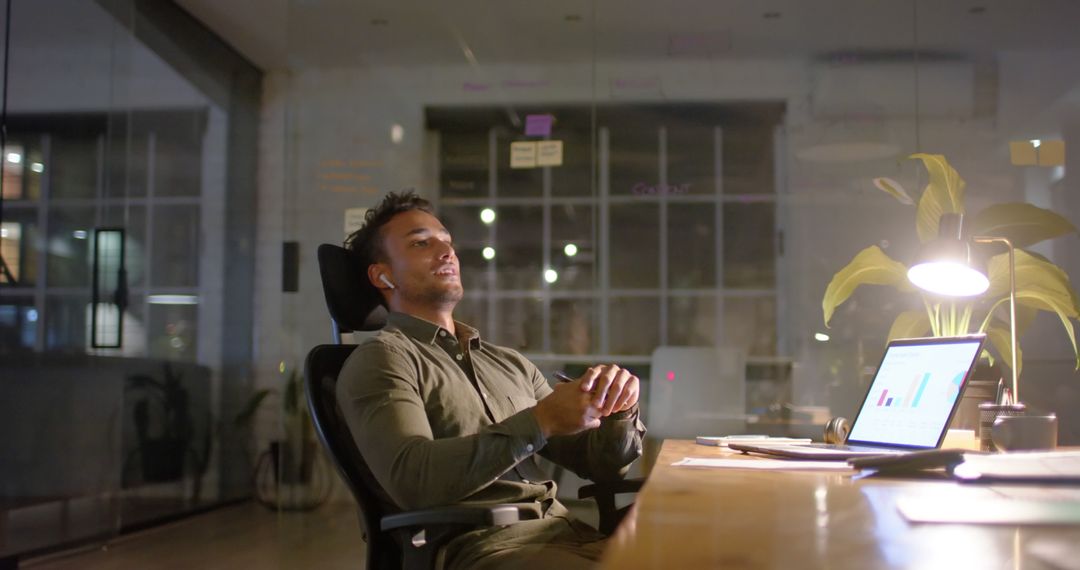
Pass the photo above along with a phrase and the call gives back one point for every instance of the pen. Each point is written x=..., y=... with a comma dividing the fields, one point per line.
x=563, y=377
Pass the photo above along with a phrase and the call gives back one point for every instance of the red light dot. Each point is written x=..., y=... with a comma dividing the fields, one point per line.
x=671, y=376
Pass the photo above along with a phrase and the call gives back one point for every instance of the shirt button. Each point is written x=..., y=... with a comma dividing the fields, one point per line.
x=529, y=447
x=442, y=334
x=459, y=357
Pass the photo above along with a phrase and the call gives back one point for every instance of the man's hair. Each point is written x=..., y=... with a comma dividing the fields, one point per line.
x=366, y=243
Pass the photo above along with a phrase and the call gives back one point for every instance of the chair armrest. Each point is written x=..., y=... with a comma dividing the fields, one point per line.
x=470, y=515
x=611, y=488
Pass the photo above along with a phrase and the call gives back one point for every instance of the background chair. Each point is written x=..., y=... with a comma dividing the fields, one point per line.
x=395, y=539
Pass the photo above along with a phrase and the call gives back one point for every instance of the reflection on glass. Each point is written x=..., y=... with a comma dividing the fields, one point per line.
x=133, y=220
x=748, y=158
x=749, y=247
x=691, y=156
x=574, y=176
x=18, y=324
x=691, y=246
x=573, y=326
x=573, y=253
x=178, y=138
x=635, y=240
x=69, y=246
x=74, y=165
x=66, y=322
x=634, y=154
x=519, y=324
x=515, y=182
x=175, y=240
x=519, y=247
x=633, y=325
x=463, y=163
x=171, y=331
x=14, y=164
x=750, y=323
x=692, y=321
x=10, y=246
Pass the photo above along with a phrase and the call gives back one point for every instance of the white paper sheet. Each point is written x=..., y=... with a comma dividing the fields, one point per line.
x=763, y=464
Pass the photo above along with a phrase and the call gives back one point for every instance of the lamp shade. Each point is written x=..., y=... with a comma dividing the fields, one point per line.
x=944, y=265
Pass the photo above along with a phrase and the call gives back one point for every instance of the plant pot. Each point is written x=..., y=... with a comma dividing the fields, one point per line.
x=289, y=468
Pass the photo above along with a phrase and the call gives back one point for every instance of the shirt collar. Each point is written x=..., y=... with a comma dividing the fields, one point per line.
x=427, y=331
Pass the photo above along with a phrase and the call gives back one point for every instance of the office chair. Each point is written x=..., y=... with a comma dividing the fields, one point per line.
x=395, y=539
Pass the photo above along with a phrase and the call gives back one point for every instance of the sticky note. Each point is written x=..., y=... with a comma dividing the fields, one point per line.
x=1022, y=153
x=549, y=153
x=1052, y=153
x=538, y=125
x=523, y=154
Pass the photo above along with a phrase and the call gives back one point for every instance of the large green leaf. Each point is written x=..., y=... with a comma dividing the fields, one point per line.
x=870, y=266
x=1039, y=284
x=998, y=333
x=1023, y=224
x=894, y=189
x=943, y=194
x=910, y=324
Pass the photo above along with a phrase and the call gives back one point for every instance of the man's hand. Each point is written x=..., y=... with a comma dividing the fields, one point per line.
x=567, y=410
x=613, y=389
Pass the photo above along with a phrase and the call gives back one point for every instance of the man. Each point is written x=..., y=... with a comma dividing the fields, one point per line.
x=444, y=417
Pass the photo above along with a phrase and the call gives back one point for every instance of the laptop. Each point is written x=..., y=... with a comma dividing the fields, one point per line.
x=908, y=405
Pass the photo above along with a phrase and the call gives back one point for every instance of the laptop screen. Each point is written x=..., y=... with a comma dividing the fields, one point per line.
x=915, y=391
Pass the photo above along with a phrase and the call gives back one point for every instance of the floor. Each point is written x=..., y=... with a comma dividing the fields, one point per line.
x=241, y=536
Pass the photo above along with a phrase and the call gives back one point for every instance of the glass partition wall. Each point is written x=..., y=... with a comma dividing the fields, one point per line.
x=620, y=178
x=124, y=342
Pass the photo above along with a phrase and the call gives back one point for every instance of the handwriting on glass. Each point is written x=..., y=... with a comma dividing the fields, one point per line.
x=644, y=189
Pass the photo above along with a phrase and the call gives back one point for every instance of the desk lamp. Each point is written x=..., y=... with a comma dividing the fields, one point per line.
x=944, y=266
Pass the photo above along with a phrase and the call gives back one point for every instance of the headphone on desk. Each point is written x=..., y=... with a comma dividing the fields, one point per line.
x=836, y=430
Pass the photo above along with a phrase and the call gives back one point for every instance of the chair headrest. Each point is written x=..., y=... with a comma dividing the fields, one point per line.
x=354, y=303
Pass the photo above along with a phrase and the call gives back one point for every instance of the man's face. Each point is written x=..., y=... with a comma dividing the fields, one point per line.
x=423, y=265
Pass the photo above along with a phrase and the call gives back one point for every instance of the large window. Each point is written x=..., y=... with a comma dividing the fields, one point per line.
x=671, y=239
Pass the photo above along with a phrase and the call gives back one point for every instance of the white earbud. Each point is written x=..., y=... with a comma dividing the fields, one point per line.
x=385, y=279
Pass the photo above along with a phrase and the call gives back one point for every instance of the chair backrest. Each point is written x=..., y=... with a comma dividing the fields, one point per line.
x=321, y=370
x=354, y=305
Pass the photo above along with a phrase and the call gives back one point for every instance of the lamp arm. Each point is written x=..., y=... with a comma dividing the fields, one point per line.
x=1012, y=304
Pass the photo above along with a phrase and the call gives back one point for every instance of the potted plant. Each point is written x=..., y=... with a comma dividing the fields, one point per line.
x=166, y=440
x=289, y=473
x=1040, y=285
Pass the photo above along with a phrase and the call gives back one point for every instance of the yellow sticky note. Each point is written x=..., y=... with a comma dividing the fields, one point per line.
x=523, y=154
x=1022, y=153
x=549, y=153
x=1052, y=153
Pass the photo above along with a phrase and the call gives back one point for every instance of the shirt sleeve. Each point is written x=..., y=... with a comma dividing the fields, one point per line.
x=601, y=454
x=379, y=395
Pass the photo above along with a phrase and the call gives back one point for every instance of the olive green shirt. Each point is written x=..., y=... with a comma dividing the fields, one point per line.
x=444, y=420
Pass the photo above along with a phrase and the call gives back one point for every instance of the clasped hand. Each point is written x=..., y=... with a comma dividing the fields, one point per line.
x=577, y=406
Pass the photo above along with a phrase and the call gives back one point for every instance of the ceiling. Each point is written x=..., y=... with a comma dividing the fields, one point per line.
x=300, y=34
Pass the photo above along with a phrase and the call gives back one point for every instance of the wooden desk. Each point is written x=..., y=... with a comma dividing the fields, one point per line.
x=725, y=518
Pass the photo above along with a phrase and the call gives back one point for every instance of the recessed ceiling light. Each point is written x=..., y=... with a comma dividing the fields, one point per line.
x=379, y=21
x=572, y=17
x=771, y=15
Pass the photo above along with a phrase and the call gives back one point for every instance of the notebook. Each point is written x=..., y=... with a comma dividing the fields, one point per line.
x=908, y=405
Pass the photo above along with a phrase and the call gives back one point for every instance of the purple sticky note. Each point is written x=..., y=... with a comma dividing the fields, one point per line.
x=538, y=125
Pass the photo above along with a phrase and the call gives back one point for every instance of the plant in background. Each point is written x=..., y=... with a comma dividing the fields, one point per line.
x=1040, y=285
